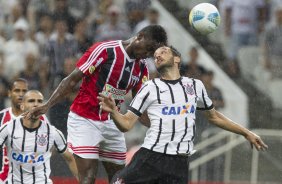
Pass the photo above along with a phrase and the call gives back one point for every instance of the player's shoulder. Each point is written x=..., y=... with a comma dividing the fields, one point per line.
x=54, y=129
x=150, y=83
x=3, y=111
x=105, y=45
x=191, y=80
x=13, y=124
x=45, y=119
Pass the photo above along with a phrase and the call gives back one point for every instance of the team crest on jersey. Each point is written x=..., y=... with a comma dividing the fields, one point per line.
x=189, y=89
x=144, y=79
x=91, y=69
x=42, y=139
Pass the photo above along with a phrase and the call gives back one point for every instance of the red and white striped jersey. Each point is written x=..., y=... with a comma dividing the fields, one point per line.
x=108, y=69
x=5, y=116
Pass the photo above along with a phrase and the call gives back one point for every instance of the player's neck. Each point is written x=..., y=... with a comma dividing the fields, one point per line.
x=16, y=111
x=31, y=123
x=171, y=74
x=126, y=45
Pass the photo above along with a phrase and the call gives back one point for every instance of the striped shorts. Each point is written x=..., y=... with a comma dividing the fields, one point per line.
x=91, y=139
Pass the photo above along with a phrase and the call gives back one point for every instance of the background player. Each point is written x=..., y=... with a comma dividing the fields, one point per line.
x=108, y=67
x=171, y=102
x=17, y=89
x=30, y=143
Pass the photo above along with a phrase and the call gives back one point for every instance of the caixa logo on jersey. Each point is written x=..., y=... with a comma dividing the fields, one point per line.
x=28, y=158
x=176, y=110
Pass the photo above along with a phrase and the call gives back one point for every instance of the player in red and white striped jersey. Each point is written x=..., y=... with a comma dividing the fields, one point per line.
x=114, y=67
x=16, y=92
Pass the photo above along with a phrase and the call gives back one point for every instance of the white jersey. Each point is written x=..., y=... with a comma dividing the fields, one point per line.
x=6, y=115
x=29, y=151
x=171, y=107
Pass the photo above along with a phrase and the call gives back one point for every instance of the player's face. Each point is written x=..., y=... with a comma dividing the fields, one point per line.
x=31, y=100
x=144, y=48
x=17, y=92
x=163, y=58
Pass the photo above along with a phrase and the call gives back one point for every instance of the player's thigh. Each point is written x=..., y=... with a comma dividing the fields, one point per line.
x=113, y=147
x=141, y=169
x=174, y=169
x=84, y=136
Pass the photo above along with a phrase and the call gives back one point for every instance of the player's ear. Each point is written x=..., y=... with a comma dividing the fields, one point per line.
x=177, y=59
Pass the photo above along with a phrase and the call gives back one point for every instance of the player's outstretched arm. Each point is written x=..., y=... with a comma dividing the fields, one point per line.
x=123, y=122
x=223, y=122
x=71, y=163
x=64, y=88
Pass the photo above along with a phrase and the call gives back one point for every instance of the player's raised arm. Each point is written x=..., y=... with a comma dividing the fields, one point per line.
x=64, y=88
x=223, y=122
x=123, y=122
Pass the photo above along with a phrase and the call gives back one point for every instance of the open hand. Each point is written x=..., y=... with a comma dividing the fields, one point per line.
x=107, y=103
x=256, y=141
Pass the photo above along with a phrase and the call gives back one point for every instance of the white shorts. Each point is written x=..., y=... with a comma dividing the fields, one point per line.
x=96, y=139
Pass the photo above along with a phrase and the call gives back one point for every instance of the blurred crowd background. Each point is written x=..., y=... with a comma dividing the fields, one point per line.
x=41, y=40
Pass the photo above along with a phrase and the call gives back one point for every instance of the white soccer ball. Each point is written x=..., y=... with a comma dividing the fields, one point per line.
x=204, y=18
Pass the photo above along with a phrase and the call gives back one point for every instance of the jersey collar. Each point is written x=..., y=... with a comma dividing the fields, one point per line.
x=171, y=81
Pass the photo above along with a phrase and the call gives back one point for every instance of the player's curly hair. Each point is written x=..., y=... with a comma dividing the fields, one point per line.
x=156, y=33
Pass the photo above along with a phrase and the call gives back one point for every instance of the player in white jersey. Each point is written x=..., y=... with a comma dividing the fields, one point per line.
x=171, y=102
x=30, y=144
x=17, y=89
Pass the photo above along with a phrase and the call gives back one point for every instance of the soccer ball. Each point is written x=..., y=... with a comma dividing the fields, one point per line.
x=204, y=18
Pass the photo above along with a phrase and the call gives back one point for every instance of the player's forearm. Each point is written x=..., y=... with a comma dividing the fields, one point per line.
x=121, y=121
x=71, y=163
x=225, y=123
x=64, y=88
x=73, y=169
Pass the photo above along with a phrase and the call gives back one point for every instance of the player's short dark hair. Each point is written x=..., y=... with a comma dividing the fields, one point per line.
x=155, y=33
x=11, y=84
x=174, y=51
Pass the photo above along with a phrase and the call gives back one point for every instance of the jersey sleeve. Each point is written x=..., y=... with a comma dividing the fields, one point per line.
x=203, y=100
x=60, y=141
x=143, y=78
x=92, y=58
x=142, y=100
x=3, y=134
